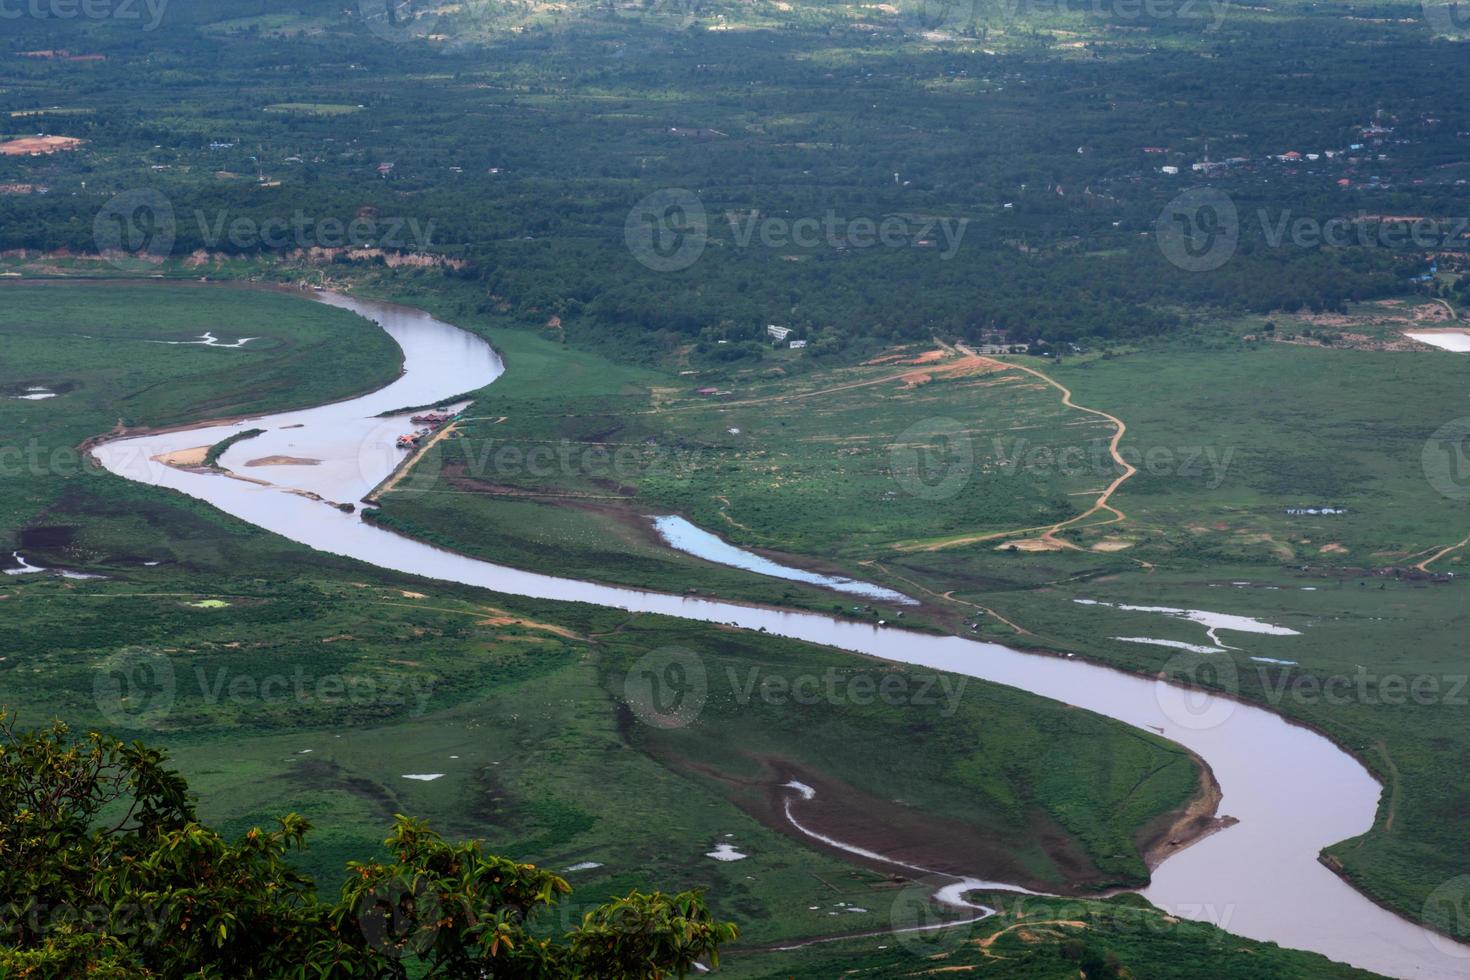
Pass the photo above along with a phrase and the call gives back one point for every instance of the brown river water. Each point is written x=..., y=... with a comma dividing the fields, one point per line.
x=1292, y=791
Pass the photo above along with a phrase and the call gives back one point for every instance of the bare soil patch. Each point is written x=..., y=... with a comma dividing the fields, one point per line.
x=1198, y=820
x=184, y=458
x=283, y=461
x=31, y=145
x=903, y=833
x=1030, y=544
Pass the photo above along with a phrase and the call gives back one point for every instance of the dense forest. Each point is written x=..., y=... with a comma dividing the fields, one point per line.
x=961, y=171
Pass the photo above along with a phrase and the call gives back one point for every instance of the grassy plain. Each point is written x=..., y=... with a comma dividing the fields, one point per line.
x=283, y=679
x=1043, y=939
x=1227, y=434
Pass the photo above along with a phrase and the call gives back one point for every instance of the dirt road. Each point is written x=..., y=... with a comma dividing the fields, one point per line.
x=1049, y=531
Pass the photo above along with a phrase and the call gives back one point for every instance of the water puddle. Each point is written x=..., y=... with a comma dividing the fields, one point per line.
x=691, y=539
x=206, y=339
x=26, y=568
x=1172, y=644
x=35, y=394
x=1212, y=621
x=1448, y=339
x=726, y=852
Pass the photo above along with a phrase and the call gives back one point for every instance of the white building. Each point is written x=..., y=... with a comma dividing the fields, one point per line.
x=778, y=333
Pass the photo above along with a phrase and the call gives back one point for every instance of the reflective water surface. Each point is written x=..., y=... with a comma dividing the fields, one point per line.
x=1291, y=789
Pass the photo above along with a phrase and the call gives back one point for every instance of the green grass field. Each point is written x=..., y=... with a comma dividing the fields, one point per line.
x=281, y=679
x=1049, y=940
x=1227, y=436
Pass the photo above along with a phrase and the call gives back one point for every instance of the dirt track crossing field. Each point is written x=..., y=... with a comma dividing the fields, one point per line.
x=1048, y=532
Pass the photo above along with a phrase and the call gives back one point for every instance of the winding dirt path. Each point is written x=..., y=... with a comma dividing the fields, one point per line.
x=1423, y=566
x=1049, y=531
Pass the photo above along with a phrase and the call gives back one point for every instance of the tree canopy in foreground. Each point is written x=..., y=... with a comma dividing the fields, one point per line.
x=107, y=872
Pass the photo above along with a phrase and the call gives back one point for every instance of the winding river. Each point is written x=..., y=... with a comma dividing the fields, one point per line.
x=1291, y=789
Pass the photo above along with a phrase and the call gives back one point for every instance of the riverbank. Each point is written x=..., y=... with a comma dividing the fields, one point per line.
x=1288, y=772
